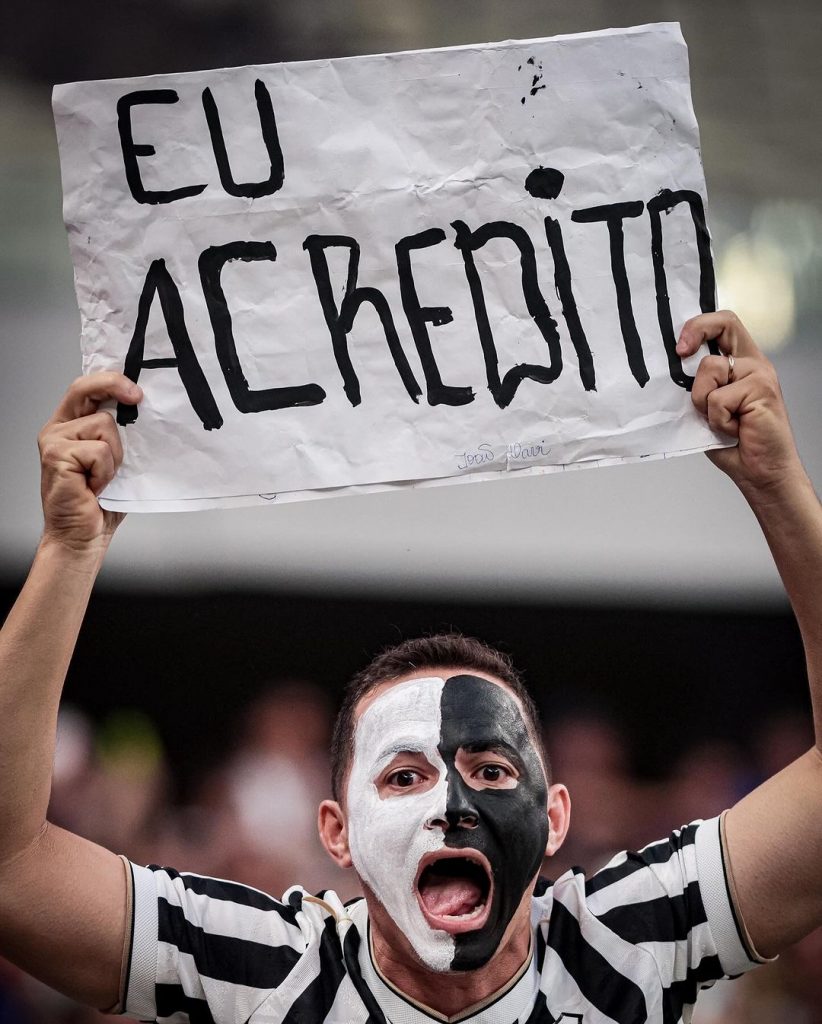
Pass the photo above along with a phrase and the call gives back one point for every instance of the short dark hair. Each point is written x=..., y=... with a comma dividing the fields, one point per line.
x=442, y=650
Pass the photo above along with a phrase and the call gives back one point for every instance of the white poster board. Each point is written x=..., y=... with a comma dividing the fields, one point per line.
x=402, y=269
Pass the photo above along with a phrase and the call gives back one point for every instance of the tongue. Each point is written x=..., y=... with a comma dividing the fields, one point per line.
x=450, y=897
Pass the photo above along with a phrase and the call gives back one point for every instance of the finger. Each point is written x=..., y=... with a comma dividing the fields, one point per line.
x=723, y=405
x=94, y=459
x=86, y=393
x=714, y=372
x=99, y=426
x=724, y=327
x=100, y=467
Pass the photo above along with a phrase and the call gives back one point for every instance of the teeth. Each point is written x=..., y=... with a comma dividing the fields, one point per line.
x=464, y=917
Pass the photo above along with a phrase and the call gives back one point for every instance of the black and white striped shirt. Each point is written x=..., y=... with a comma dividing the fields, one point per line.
x=633, y=943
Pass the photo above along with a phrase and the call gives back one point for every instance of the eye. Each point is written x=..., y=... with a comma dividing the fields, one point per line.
x=494, y=774
x=407, y=774
x=403, y=778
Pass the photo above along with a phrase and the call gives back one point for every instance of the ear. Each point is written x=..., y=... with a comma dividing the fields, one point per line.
x=334, y=832
x=559, y=817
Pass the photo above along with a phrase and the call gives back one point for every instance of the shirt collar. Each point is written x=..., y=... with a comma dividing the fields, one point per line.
x=512, y=1002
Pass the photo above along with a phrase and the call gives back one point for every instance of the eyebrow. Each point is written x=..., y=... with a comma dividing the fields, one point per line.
x=401, y=747
x=495, y=747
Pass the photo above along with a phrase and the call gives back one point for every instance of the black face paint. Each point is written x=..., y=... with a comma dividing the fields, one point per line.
x=511, y=824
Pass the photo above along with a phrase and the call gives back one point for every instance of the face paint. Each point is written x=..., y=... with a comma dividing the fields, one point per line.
x=512, y=824
x=450, y=862
x=387, y=836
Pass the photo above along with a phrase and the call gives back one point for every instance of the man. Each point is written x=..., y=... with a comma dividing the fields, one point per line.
x=443, y=806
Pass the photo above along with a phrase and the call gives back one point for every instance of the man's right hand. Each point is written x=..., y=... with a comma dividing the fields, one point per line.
x=80, y=452
x=63, y=915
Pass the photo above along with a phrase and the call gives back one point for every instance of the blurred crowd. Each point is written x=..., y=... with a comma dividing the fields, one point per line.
x=253, y=818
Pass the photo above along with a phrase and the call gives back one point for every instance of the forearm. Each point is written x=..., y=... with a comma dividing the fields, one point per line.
x=36, y=645
x=791, y=520
x=774, y=834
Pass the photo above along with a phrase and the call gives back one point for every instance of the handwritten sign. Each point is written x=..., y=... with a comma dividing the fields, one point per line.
x=400, y=269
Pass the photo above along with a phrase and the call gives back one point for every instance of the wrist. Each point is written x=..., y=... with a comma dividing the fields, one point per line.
x=84, y=557
x=780, y=495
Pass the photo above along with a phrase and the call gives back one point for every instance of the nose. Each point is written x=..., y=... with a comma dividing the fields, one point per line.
x=460, y=812
x=447, y=821
x=468, y=821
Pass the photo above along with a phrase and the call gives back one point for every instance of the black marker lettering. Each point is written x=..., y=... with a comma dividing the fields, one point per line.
x=340, y=319
x=132, y=149
x=210, y=264
x=468, y=242
x=613, y=215
x=667, y=200
x=159, y=281
x=268, y=124
x=565, y=293
x=419, y=316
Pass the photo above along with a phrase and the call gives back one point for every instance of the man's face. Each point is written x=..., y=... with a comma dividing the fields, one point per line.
x=447, y=820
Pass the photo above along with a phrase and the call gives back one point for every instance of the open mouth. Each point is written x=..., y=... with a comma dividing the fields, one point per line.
x=454, y=890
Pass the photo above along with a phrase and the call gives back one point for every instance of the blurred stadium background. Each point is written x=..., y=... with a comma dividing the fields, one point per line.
x=640, y=600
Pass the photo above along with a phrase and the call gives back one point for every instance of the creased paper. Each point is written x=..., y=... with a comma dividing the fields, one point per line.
x=398, y=270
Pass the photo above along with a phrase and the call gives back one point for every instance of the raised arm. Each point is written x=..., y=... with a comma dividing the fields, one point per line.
x=62, y=899
x=773, y=835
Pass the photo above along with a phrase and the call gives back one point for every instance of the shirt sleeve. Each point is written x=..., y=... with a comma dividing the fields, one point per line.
x=203, y=948
x=673, y=900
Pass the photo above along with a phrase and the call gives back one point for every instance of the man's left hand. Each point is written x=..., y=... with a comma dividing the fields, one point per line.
x=741, y=397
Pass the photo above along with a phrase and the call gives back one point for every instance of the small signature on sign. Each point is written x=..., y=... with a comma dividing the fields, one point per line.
x=517, y=451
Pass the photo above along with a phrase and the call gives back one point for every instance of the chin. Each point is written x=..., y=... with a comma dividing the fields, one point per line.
x=466, y=958
x=472, y=962
x=475, y=950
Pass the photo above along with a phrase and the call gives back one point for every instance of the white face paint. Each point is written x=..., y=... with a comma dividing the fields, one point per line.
x=387, y=836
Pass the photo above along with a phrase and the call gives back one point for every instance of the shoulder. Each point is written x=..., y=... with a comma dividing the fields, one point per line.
x=662, y=870
x=234, y=943
x=185, y=903
x=217, y=950
x=655, y=924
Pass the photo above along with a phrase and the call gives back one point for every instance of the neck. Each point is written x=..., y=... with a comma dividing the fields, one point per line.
x=450, y=993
